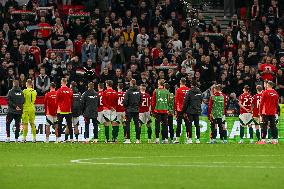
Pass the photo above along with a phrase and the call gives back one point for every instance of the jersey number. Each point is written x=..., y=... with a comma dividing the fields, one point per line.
x=120, y=101
x=145, y=102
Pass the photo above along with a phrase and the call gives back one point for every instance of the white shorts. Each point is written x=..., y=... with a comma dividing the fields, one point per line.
x=120, y=117
x=75, y=121
x=100, y=118
x=110, y=116
x=246, y=119
x=256, y=120
x=51, y=120
x=144, y=117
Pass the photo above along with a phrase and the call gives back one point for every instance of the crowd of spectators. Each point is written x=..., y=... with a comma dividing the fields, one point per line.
x=142, y=39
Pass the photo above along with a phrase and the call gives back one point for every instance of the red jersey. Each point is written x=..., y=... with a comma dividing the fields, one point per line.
x=179, y=98
x=146, y=100
x=36, y=52
x=271, y=68
x=256, y=104
x=45, y=32
x=269, y=102
x=120, y=107
x=78, y=46
x=110, y=99
x=246, y=100
x=50, y=103
x=64, y=99
x=101, y=106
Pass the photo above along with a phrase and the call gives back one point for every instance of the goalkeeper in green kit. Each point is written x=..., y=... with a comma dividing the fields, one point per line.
x=29, y=110
x=216, y=111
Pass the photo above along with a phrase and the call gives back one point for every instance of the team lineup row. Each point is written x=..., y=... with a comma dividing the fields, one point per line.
x=119, y=108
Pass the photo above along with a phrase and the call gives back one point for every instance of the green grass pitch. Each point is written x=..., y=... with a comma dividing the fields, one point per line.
x=73, y=166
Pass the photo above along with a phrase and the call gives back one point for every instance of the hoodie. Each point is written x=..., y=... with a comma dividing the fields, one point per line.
x=192, y=101
x=132, y=100
x=15, y=98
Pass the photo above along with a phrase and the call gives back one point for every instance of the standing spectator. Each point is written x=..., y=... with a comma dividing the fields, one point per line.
x=42, y=82
x=105, y=55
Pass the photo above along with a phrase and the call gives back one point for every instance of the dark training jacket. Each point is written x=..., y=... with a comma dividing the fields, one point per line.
x=15, y=98
x=132, y=100
x=192, y=101
x=89, y=104
x=76, y=106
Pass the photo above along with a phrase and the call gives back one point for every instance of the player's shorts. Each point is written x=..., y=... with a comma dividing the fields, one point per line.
x=51, y=120
x=245, y=119
x=256, y=120
x=28, y=116
x=100, y=117
x=75, y=121
x=145, y=117
x=120, y=117
x=109, y=116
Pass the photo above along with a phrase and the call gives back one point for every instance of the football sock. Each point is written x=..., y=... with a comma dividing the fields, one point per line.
x=257, y=133
x=273, y=132
x=66, y=137
x=157, y=131
x=269, y=133
x=107, y=132
x=96, y=130
x=124, y=131
x=25, y=132
x=197, y=131
x=251, y=133
x=242, y=132
x=149, y=132
x=116, y=131
x=225, y=134
x=77, y=136
x=33, y=130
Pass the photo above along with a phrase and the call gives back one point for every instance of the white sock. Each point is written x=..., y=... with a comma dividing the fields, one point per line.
x=47, y=139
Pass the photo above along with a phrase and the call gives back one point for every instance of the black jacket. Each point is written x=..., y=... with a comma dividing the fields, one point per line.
x=132, y=100
x=192, y=101
x=15, y=98
x=89, y=104
x=76, y=106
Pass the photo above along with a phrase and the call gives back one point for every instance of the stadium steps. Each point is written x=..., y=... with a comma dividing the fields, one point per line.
x=219, y=14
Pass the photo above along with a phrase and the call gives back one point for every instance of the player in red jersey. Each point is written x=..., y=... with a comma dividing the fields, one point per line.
x=120, y=111
x=255, y=110
x=110, y=101
x=178, y=103
x=245, y=103
x=101, y=106
x=268, y=109
x=51, y=112
x=144, y=111
x=64, y=99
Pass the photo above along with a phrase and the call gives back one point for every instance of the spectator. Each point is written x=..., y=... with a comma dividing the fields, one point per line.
x=42, y=82
x=105, y=54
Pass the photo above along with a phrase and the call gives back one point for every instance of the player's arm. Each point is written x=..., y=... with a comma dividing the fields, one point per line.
x=154, y=101
x=45, y=102
x=176, y=100
x=262, y=101
x=241, y=104
x=225, y=104
x=83, y=102
x=186, y=102
x=34, y=95
x=125, y=100
x=210, y=104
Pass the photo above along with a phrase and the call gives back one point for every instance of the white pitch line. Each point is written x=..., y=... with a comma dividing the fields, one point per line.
x=89, y=161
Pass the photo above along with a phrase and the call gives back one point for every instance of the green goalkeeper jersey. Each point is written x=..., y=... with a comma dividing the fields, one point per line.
x=218, y=104
x=30, y=97
x=162, y=97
